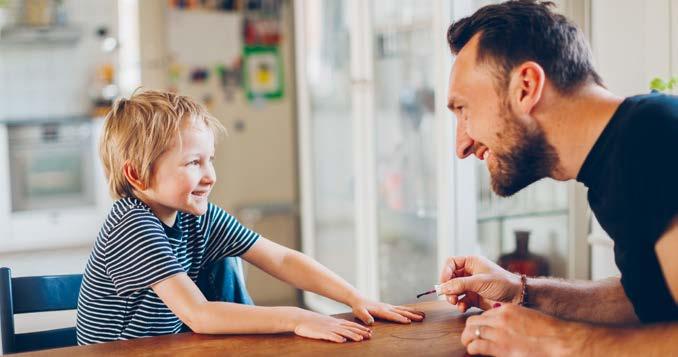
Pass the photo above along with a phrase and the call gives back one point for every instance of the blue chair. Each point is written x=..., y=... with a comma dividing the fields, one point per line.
x=36, y=294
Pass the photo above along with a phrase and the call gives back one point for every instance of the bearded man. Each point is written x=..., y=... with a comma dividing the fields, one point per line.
x=529, y=102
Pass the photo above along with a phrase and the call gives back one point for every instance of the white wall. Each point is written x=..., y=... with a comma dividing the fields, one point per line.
x=633, y=42
x=41, y=81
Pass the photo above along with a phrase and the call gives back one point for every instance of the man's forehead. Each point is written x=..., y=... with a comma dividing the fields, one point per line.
x=458, y=77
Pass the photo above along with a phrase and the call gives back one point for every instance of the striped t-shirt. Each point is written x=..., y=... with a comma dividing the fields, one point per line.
x=135, y=250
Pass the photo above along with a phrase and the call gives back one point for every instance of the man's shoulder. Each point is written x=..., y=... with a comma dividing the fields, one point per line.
x=652, y=113
x=649, y=126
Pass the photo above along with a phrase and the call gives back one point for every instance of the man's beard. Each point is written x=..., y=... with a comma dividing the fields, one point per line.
x=525, y=158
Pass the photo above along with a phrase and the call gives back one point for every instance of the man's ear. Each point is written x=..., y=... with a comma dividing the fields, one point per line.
x=132, y=176
x=526, y=86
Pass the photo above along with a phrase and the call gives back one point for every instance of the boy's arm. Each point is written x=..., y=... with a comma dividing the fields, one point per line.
x=305, y=273
x=186, y=301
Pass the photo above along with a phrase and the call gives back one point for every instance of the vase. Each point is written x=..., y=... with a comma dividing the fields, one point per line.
x=522, y=261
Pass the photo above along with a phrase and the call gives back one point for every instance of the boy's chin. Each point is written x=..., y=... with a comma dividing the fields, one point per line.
x=196, y=210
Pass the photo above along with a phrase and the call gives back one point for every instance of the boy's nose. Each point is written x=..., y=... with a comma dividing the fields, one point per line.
x=209, y=176
x=464, y=141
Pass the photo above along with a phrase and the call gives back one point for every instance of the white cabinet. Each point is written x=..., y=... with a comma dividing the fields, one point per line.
x=53, y=190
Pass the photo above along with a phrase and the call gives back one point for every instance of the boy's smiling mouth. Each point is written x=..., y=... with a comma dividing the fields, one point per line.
x=200, y=194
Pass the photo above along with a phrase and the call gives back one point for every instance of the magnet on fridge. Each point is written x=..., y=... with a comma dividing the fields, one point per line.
x=199, y=75
x=262, y=71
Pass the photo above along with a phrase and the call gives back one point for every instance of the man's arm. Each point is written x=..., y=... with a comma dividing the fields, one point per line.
x=514, y=330
x=652, y=340
x=477, y=281
x=602, y=301
x=667, y=254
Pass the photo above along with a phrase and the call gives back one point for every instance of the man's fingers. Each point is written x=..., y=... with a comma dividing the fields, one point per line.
x=459, y=286
x=486, y=333
x=448, y=270
x=481, y=347
x=470, y=300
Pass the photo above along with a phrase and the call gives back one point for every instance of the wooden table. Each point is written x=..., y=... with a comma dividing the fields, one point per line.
x=438, y=335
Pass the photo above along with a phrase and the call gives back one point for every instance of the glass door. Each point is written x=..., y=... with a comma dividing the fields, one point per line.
x=405, y=152
x=376, y=140
x=326, y=139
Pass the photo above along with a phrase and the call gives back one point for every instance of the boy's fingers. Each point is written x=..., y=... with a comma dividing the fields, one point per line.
x=363, y=333
x=364, y=316
x=409, y=315
x=394, y=316
x=335, y=337
x=412, y=310
x=349, y=334
x=355, y=325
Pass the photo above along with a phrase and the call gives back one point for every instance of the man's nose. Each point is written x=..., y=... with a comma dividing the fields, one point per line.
x=464, y=141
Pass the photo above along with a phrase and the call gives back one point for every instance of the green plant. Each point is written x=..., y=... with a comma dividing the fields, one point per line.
x=660, y=85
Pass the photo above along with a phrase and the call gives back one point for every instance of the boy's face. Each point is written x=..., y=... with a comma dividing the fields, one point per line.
x=183, y=176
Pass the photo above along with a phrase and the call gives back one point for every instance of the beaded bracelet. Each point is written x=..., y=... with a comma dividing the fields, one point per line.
x=523, y=290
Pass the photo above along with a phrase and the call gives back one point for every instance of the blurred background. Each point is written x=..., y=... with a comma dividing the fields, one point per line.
x=340, y=143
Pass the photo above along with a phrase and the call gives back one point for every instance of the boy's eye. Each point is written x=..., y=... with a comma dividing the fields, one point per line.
x=194, y=162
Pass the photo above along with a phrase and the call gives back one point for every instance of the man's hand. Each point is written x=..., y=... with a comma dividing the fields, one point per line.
x=483, y=283
x=512, y=330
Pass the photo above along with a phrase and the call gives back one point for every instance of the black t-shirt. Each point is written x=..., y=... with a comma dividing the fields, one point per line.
x=632, y=176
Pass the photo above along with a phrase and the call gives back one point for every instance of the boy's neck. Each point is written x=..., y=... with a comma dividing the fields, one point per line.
x=166, y=215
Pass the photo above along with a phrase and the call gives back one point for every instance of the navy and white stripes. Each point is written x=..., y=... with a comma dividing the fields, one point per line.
x=133, y=251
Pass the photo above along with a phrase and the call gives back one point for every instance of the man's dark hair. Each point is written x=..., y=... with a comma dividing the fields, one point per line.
x=526, y=30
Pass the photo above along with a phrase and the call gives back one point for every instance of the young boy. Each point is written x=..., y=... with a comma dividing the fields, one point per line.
x=157, y=150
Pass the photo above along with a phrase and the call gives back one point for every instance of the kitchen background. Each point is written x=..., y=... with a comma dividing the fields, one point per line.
x=336, y=122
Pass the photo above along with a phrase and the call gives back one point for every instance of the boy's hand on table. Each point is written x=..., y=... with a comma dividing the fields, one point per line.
x=366, y=310
x=321, y=327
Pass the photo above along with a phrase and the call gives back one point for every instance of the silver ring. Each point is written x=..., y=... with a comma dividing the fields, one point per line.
x=477, y=333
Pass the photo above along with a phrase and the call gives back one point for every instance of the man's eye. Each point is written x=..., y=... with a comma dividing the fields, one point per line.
x=194, y=162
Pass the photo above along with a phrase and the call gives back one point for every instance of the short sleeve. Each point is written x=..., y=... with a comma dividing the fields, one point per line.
x=138, y=253
x=226, y=236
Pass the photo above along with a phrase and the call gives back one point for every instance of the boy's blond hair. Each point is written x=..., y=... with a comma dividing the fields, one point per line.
x=139, y=129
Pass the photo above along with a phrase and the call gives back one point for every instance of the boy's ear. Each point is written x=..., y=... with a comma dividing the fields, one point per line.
x=132, y=176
